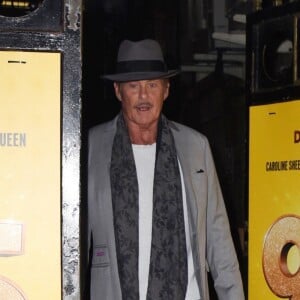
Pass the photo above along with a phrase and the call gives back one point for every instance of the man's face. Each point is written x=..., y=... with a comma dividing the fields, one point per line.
x=142, y=100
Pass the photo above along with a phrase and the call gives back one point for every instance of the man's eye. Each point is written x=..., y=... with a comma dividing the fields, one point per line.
x=152, y=84
x=133, y=85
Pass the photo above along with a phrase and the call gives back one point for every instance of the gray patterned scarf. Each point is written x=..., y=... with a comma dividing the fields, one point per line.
x=168, y=258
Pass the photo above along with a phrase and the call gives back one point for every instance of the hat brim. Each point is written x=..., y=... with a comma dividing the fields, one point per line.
x=132, y=76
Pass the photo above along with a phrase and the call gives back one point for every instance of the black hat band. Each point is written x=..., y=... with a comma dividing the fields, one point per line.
x=141, y=66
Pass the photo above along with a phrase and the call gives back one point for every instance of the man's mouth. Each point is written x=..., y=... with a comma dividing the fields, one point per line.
x=143, y=107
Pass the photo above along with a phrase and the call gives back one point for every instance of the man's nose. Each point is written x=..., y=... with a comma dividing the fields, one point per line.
x=143, y=91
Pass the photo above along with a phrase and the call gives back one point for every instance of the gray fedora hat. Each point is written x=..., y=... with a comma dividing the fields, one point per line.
x=140, y=60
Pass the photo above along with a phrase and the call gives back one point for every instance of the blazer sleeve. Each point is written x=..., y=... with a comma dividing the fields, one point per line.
x=221, y=255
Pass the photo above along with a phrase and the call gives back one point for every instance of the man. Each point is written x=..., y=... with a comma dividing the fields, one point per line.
x=157, y=219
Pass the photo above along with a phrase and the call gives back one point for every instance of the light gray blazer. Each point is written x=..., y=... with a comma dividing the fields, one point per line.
x=212, y=245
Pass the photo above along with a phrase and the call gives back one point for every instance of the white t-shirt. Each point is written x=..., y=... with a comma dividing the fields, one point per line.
x=144, y=156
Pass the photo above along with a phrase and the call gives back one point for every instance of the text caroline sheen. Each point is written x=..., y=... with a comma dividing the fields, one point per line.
x=12, y=139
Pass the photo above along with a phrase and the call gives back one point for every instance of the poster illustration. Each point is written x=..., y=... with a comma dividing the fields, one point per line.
x=30, y=175
x=274, y=201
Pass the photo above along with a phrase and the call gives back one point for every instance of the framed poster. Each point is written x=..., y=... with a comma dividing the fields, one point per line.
x=274, y=201
x=30, y=175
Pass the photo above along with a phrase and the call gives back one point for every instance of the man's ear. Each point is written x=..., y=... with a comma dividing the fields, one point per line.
x=117, y=90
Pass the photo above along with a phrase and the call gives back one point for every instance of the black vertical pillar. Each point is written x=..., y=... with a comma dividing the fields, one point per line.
x=55, y=26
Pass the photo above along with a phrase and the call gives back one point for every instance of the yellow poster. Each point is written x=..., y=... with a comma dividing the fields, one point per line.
x=30, y=175
x=274, y=201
